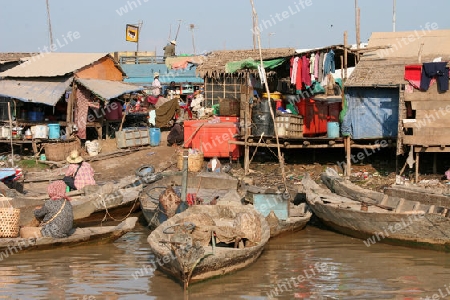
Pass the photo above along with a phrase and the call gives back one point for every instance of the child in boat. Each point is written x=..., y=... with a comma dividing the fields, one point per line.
x=57, y=213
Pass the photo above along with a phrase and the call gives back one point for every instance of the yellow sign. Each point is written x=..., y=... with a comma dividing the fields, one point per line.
x=132, y=33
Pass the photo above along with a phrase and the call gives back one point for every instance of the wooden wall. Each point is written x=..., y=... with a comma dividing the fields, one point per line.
x=429, y=124
x=102, y=69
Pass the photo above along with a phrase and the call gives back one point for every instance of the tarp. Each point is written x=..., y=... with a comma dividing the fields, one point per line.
x=371, y=113
x=37, y=91
x=234, y=66
x=108, y=89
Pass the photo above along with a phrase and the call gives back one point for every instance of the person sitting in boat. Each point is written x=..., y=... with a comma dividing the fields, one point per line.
x=56, y=213
x=80, y=173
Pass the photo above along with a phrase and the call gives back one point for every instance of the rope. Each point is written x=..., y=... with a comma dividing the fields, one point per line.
x=107, y=214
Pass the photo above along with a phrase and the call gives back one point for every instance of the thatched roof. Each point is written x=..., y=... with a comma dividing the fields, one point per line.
x=6, y=57
x=386, y=67
x=214, y=64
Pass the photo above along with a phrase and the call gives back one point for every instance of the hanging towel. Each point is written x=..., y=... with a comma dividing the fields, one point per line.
x=316, y=66
x=413, y=73
x=306, y=77
x=322, y=60
x=294, y=70
x=298, y=79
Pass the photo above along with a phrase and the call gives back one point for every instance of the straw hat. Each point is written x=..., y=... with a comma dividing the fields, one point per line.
x=156, y=74
x=173, y=42
x=74, y=157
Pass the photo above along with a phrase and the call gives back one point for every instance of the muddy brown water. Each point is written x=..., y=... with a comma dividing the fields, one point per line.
x=311, y=264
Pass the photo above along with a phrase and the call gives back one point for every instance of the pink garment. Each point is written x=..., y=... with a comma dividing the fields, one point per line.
x=182, y=64
x=294, y=73
x=316, y=66
x=85, y=175
x=81, y=114
x=298, y=79
x=306, y=77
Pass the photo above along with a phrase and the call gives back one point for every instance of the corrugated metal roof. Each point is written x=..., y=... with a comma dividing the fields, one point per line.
x=386, y=67
x=108, y=89
x=143, y=74
x=47, y=92
x=53, y=64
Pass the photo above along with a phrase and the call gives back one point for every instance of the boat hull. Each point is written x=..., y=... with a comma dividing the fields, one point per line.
x=416, y=229
x=81, y=236
x=224, y=260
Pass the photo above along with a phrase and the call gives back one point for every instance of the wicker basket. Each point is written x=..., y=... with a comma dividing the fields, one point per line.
x=195, y=162
x=9, y=219
x=59, y=151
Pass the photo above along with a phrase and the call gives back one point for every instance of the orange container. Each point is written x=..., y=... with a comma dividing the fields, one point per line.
x=212, y=139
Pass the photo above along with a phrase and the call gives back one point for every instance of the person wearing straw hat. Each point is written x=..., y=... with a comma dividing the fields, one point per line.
x=80, y=173
x=169, y=49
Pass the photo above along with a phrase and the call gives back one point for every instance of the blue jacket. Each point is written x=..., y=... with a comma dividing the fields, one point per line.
x=329, y=65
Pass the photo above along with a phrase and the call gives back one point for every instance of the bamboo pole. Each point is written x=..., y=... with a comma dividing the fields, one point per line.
x=10, y=135
x=280, y=158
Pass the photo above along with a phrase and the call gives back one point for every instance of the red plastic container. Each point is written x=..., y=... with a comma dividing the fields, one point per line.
x=310, y=118
x=212, y=138
x=322, y=117
x=334, y=108
x=301, y=106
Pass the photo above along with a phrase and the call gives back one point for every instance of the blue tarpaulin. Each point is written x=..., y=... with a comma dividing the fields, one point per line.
x=371, y=113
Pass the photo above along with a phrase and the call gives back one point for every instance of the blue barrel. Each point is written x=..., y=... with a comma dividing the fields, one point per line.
x=53, y=131
x=155, y=137
x=333, y=129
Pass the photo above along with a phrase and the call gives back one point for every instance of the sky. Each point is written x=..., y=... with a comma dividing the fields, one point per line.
x=99, y=26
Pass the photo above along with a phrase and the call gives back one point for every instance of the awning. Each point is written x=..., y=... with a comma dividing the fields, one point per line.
x=234, y=66
x=46, y=92
x=108, y=89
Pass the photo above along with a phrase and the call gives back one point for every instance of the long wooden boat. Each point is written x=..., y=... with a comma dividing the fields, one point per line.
x=388, y=220
x=81, y=236
x=206, y=241
x=206, y=186
x=91, y=205
x=284, y=215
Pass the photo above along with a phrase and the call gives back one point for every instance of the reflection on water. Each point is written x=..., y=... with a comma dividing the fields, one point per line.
x=311, y=264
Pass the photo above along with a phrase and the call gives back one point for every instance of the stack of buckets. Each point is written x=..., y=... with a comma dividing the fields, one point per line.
x=155, y=136
x=53, y=131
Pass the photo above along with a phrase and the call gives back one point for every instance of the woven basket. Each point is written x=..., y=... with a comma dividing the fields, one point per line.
x=59, y=151
x=9, y=219
x=195, y=162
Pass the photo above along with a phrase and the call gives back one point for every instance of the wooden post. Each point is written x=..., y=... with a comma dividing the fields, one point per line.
x=348, y=154
x=417, y=167
x=345, y=55
x=69, y=112
x=434, y=163
x=10, y=135
x=247, y=124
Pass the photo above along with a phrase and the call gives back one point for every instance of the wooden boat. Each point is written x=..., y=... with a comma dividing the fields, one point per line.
x=282, y=214
x=377, y=217
x=91, y=205
x=209, y=241
x=206, y=186
x=81, y=236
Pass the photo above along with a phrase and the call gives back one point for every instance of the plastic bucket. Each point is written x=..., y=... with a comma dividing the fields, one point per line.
x=39, y=131
x=155, y=137
x=333, y=129
x=53, y=131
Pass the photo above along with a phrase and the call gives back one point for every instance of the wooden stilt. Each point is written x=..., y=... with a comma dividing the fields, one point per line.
x=348, y=156
x=435, y=163
x=247, y=124
x=417, y=167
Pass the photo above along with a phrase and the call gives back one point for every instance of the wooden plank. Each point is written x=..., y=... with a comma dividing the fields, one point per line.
x=432, y=149
x=424, y=131
x=432, y=114
x=431, y=95
x=432, y=104
x=436, y=140
x=428, y=123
